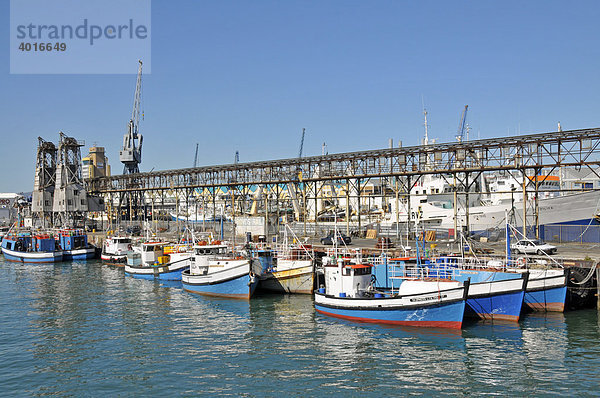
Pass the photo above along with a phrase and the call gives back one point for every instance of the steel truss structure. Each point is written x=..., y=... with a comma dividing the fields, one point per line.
x=399, y=169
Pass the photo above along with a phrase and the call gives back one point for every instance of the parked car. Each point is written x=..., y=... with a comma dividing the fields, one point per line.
x=134, y=230
x=341, y=239
x=526, y=246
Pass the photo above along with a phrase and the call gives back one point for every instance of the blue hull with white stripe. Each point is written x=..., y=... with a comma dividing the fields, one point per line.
x=443, y=315
x=547, y=300
x=79, y=254
x=241, y=287
x=505, y=306
x=152, y=273
x=52, y=257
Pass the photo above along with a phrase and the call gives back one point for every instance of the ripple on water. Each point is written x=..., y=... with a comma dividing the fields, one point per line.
x=86, y=329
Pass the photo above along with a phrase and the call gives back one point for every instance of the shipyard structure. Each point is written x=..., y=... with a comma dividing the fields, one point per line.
x=60, y=197
x=547, y=185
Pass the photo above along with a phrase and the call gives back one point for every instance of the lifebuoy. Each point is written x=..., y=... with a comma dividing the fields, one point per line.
x=521, y=261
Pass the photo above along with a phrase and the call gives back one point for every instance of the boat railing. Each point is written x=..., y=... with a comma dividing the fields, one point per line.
x=400, y=270
x=354, y=254
x=496, y=263
x=299, y=252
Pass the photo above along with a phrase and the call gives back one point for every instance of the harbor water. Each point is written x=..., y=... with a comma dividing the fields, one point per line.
x=85, y=329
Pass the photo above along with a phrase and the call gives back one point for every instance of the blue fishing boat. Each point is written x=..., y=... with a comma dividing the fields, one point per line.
x=349, y=294
x=148, y=261
x=31, y=248
x=493, y=295
x=546, y=289
x=547, y=284
x=74, y=244
x=217, y=271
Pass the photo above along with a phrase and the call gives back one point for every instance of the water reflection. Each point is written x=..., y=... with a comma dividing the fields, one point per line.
x=86, y=329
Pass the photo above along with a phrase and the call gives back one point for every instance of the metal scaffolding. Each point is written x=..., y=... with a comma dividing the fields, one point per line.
x=398, y=169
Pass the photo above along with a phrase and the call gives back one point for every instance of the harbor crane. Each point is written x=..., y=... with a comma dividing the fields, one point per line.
x=131, y=152
x=461, y=126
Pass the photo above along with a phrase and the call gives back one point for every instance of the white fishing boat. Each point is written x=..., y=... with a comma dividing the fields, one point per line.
x=148, y=261
x=217, y=271
x=349, y=294
x=114, y=250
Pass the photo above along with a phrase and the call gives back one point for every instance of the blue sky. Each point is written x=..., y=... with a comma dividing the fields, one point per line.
x=248, y=76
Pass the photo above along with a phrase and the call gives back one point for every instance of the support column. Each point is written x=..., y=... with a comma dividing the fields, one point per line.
x=267, y=213
x=467, y=189
x=317, y=207
x=408, y=208
x=524, y=204
x=397, y=209
x=348, y=215
x=358, y=197
x=537, y=205
x=455, y=206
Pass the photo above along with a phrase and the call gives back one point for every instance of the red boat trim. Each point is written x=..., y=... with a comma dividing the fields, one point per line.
x=499, y=317
x=553, y=307
x=428, y=324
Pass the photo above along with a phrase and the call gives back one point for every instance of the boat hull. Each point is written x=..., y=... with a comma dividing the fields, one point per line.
x=298, y=281
x=116, y=260
x=238, y=288
x=79, y=254
x=497, y=300
x=546, y=290
x=499, y=307
x=440, y=309
x=231, y=282
x=167, y=272
x=32, y=257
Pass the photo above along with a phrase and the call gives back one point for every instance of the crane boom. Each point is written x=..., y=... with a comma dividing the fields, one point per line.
x=196, y=156
x=302, y=143
x=137, y=98
x=461, y=125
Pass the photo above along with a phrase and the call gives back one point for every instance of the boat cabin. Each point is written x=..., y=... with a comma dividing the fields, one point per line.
x=117, y=245
x=72, y=239
x=345, y=278
x=30, y=243
x=202, y=254
x=150, y=253
x=293, y=257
